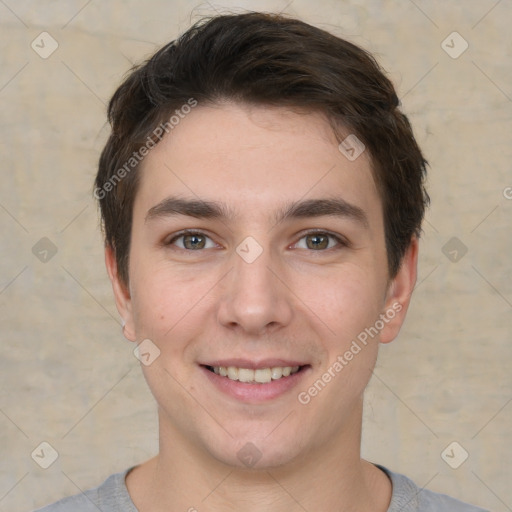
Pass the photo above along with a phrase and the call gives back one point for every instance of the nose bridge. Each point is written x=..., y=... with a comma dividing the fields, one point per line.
x=254, y=298
x=251, y=271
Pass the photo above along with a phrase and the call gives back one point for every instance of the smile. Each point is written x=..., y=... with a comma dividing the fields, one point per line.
x=260, y=375
x=255, y=382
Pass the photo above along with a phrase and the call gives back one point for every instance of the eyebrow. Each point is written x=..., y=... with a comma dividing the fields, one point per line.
x=202, y=209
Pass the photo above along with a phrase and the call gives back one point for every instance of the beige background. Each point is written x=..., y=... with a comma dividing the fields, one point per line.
x=69, y=378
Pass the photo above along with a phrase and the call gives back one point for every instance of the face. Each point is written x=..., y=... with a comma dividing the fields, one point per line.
x=258, y=250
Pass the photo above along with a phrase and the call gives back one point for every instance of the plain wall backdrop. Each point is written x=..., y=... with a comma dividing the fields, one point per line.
x=70, y=379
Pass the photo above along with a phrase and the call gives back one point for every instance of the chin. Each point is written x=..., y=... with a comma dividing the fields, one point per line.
x=257, y=455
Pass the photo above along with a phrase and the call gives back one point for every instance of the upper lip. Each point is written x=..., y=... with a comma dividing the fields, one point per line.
x=252, y=364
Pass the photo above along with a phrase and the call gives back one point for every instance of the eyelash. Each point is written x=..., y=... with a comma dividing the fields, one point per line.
x=342, y=242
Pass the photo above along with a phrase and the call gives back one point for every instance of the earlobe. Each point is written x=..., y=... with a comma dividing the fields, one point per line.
x=121, y=295
x=399, y=293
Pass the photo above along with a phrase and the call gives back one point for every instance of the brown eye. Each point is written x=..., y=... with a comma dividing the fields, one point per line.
x=192, y=241
x=320, y=241
x=317, y=241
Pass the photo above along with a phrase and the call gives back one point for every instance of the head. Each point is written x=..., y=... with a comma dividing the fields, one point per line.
x=247, y=130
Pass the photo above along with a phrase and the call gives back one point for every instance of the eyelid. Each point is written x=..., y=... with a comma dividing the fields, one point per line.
x=184, y=232
x=342, y=241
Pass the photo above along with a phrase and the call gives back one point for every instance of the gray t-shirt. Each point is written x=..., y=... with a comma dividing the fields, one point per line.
x=112, y=496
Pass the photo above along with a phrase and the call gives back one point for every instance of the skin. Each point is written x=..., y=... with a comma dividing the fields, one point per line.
x=293, y=301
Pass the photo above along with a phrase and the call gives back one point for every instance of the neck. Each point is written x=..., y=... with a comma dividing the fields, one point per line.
x=329, y=477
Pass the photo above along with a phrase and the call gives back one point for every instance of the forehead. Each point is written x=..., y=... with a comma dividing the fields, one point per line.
x=253, y=159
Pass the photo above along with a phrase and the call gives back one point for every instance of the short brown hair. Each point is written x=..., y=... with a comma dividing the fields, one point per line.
x=264, y=59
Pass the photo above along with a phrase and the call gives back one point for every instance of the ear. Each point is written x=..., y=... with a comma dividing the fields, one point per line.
x=399, y=294
x=121, y=294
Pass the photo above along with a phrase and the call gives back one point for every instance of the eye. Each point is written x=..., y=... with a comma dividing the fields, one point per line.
x=192, y=241
x=320, y=240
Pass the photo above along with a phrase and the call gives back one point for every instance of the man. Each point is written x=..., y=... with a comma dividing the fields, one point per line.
x=262, y=198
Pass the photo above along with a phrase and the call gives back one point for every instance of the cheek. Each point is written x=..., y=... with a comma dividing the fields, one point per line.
x=345, y=302
x=350, y=308
x=165, y=303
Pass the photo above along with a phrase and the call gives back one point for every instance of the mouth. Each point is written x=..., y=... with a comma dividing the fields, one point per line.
x=255, y=376
x=255, y=383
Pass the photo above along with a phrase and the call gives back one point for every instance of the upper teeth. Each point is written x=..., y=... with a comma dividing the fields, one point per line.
x=261, y=375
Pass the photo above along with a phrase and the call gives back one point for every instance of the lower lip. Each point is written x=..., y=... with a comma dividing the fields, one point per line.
x=253, y=393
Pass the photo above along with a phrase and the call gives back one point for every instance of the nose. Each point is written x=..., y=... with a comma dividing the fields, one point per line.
x=255, y=296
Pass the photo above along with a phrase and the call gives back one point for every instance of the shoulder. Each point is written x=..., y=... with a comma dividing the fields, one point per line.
x=408, y=497
x=111, y=496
